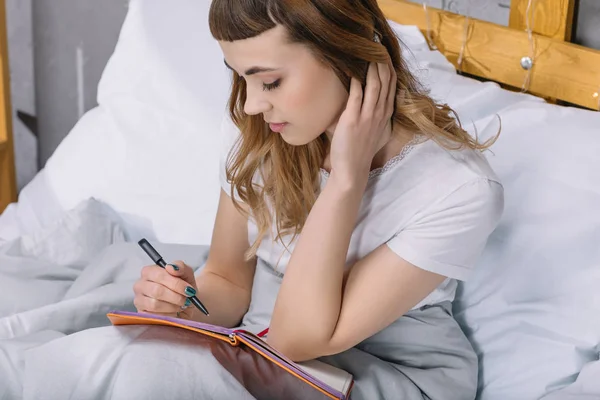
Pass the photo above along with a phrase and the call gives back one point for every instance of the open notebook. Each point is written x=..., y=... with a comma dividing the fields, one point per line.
x=330, y=381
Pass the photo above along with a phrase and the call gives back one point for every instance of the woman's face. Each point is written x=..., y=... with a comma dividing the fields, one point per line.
x=287, y=85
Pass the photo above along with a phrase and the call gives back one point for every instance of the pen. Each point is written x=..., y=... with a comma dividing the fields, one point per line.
x=158, y=260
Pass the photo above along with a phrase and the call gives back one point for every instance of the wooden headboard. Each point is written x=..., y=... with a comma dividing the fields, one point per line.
x=8, y=185
x=561, y=71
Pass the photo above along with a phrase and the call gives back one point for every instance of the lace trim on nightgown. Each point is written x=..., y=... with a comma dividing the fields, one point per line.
x=418, y=139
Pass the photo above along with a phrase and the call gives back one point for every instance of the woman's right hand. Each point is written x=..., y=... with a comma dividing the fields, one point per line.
x=166, y=291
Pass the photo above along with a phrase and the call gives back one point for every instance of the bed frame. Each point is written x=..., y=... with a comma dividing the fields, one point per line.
x=562, y=72
x=8, y=183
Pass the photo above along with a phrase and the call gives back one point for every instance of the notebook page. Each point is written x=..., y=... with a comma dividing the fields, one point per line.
x=328, y=374
x=331, y=376
x=128, y=317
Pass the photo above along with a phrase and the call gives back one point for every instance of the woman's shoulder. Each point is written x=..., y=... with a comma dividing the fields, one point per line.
x=436, y=164
x=429, y=173
x=452, y=203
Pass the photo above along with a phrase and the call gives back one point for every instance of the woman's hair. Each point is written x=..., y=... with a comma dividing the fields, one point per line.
x=340, y=34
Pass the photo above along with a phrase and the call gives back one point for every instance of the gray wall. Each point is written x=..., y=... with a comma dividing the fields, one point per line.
x=73, y=41
x=498, y=11
x=20, y=54
x=587, y=30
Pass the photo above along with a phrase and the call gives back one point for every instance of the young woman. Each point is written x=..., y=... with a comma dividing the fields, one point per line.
x=352, y=202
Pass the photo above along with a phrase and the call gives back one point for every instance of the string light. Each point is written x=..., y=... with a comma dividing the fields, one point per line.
x=597, y=97
x=529, y=62
x=465, y=38
x=428, y=20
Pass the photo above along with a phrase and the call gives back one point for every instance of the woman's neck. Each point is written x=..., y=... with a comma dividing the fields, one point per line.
x=399, y=138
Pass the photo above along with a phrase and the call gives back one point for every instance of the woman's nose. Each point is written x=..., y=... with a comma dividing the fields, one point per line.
x=256, y=103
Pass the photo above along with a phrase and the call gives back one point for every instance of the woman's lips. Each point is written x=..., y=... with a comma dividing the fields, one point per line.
x=278, y=127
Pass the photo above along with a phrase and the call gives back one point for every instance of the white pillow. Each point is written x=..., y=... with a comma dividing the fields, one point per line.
x=150, y=150
x=532, y=307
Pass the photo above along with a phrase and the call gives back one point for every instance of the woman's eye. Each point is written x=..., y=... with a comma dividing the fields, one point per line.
x=271, y=86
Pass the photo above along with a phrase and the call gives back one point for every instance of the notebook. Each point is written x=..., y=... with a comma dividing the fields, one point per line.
x=332, y=382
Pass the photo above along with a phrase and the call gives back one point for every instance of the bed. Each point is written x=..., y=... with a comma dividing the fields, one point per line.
x=8, y=185
x=145, y=163
x=548, y=65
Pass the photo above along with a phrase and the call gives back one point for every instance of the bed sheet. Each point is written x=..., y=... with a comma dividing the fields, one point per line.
x=57, y=284
x=37, y=207
x=60, y=280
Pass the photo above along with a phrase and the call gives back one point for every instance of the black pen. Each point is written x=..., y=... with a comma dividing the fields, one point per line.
x=158, y=260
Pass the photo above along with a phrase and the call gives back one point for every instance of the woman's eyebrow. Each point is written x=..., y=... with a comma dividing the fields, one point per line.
x=252, y=70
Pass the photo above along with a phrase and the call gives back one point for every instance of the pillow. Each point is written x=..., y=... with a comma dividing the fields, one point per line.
x=531, y=308
x=150, y=149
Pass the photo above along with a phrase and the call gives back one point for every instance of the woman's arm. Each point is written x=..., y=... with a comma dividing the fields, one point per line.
x=315, y=313
x=225, y=284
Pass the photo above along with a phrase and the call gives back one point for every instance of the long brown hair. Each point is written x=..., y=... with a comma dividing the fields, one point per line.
x=340, y=34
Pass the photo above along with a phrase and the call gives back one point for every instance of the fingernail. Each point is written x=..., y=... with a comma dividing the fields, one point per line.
x=190, y=291
x=175, y=267
x=188, y=303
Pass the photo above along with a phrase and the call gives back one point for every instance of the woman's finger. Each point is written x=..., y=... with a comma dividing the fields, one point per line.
x=159, y=275
x=160, y=292
x=391, y=99
x=179, y=314
x=372, y=90
x=179, y=269
x=384, y=78
x=355, y=99
x=155, y=306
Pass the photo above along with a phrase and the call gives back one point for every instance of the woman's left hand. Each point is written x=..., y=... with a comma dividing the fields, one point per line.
x=365, y=125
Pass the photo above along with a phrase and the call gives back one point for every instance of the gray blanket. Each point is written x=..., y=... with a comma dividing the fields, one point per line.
x=57, y=285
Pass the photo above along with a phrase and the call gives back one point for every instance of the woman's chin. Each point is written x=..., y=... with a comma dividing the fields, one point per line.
x=297, y=140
